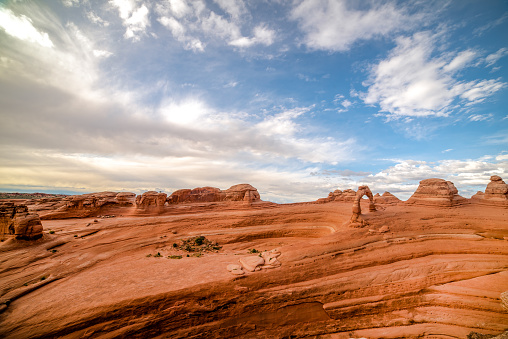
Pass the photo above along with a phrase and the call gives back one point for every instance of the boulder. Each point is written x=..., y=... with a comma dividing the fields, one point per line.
x=235, y=269
x=251, y=263
x=436, y=192
x=17, y=221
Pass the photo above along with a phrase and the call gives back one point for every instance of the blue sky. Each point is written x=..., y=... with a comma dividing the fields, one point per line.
x=297, y=98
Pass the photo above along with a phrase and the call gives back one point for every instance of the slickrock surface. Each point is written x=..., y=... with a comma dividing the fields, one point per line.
x=436, y=192
x=414, y=272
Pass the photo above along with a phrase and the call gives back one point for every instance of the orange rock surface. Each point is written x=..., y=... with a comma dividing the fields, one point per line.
x=416, y=271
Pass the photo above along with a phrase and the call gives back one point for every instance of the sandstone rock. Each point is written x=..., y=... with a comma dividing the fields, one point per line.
x=356, y=219
x=241, y=192
x=126, y=198
x=478, y=196
x=151, y=199
x=387, y=198
x=270, y=258
x=504, y=300
x=17, y=221
x=235, y=269
x=496, y=189
x=79, y=206
x=338, y=195
x=200, y=194
x=251, y=263
x=384, y=229
x=436, y=192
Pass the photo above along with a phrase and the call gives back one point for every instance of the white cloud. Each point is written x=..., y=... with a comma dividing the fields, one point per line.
x=234, y=8
x=412, y=81
x=22, y=28
x=491, y=59
x=135, y=18
x=460, y=61
x=96, y=19
x=480, y=117
x=70, y=3
x=336, y=25
x=196, y=26
x=99, y=53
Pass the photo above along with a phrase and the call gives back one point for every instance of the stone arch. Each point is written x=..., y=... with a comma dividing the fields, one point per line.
x=356, y=219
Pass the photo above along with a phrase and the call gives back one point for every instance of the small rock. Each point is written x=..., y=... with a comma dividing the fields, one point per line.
x=384, y=229
x=251, y=263
x=235, y=269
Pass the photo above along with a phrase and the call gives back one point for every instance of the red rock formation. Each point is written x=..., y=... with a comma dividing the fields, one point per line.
x=347, y=195
x=496, y=193
x=436, y=192
x=151, y=199
x=126, y=198
x=18, y=222
x=387, y=198
x=496, y=189
x=356, y=219
x=241, y=192
x=79, y=206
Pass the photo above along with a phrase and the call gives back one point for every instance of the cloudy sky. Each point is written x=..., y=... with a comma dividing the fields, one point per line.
x=296, y=97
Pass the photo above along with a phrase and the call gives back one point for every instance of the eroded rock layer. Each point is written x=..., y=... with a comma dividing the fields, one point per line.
x=436, y=192
x=496, y=193
x=241, y=192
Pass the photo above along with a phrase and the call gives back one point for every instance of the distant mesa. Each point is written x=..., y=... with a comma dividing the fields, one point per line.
x=16, y=221
x=496, y=193
x=436, y=192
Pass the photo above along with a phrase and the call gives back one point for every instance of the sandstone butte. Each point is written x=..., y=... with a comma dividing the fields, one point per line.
x=211, y=263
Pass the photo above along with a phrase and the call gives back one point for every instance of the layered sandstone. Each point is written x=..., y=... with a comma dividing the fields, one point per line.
x=241, y=192
x=151, y=199
x=79, y=206
x=436, y=192
x=387, y=199
x=496, y=193
x=347, y=195
x=15, y=220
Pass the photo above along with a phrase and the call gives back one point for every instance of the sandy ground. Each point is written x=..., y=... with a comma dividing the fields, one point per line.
x=437, y=273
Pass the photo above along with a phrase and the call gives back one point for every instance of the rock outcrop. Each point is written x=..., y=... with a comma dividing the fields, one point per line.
x=496, y=189
x=15, y=220
x=436, y=192
x=496, y=193
x=79, y=206
x=356, y=219
x=386, y=199
x=347, y=195
x=151, y=199
x=241, y=192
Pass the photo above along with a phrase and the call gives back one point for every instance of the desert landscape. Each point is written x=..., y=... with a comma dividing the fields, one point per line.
x=209, y=263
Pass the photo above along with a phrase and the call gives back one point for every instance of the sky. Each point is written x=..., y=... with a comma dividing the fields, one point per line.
x=295, y=97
